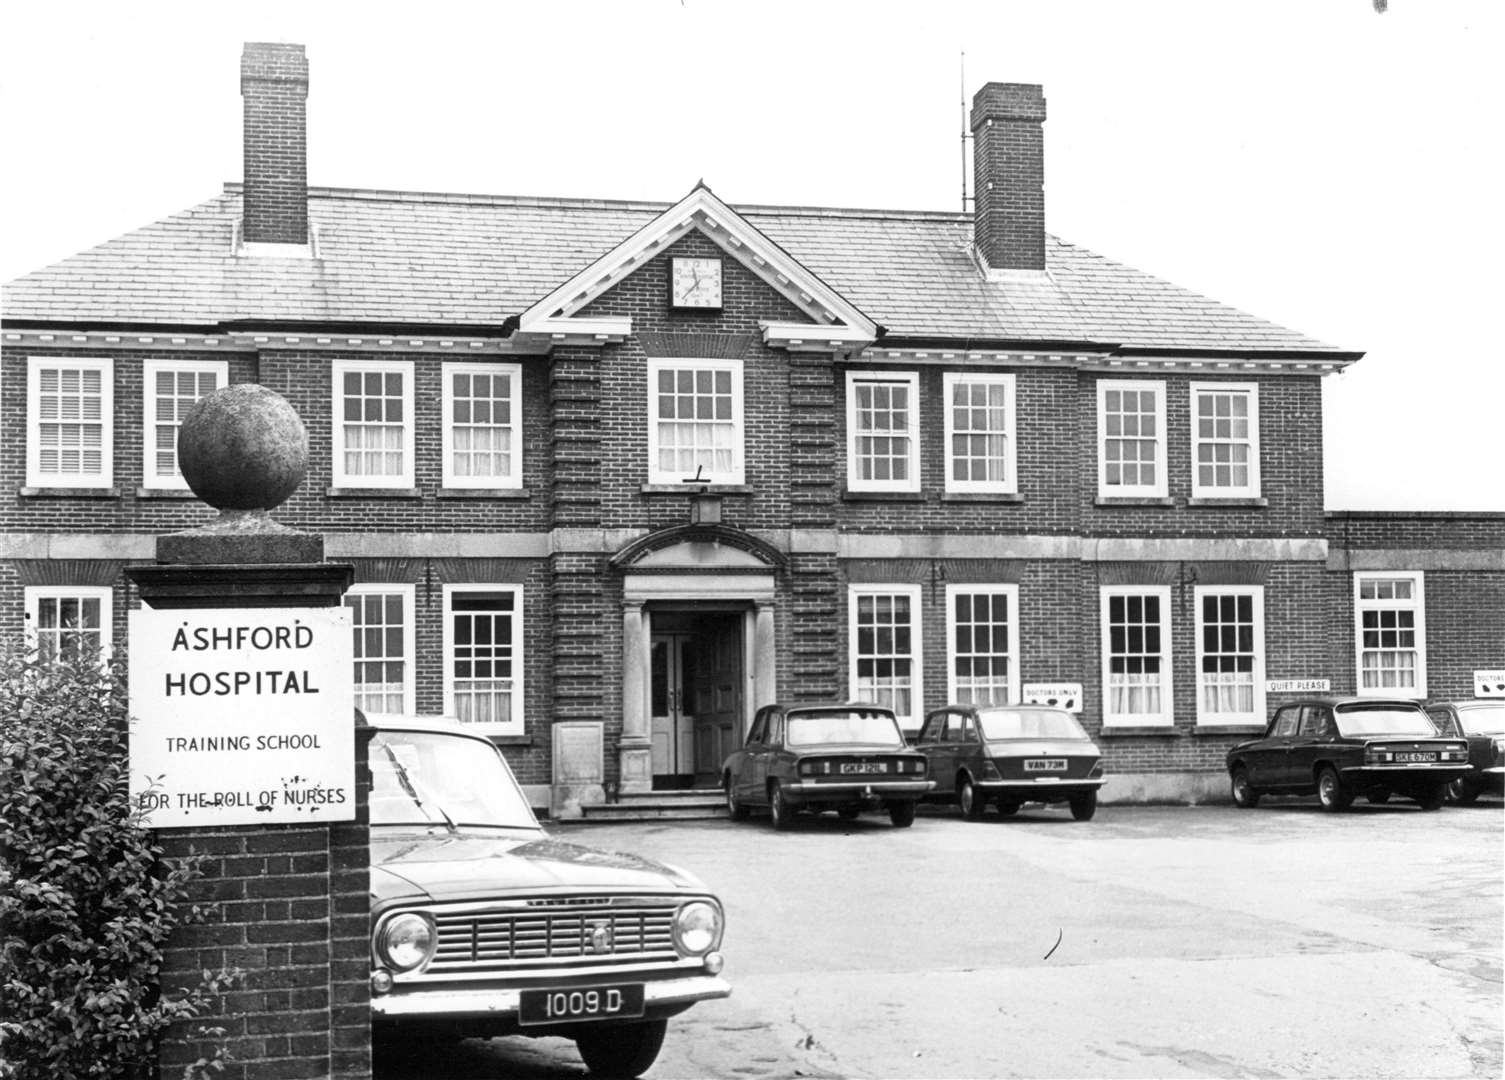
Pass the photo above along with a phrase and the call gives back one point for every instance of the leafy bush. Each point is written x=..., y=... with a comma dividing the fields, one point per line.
x=87, y=898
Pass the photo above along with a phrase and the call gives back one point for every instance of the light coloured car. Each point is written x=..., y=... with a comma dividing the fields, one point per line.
x=484, y=924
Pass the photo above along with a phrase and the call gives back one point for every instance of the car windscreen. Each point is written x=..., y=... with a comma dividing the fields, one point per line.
x=1028, y=724
x=846, y=726
x=1382, y=719
x=434, y=778
x=1487, y=718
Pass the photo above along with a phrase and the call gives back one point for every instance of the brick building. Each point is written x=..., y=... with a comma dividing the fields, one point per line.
x=613, y=474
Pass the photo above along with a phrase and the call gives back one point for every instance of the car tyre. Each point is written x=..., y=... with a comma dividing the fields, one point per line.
x=901, y=813
x=1330, y=791
x=778, y=806
x=1007, y=809
x=1084, y=806
x=966, y=797
x=1432, y=799
x=1245, y=796
x=734, y=808
x=621, y=1050
x=1462, y=792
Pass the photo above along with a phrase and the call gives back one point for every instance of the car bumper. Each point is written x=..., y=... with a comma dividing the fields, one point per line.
x=1044, y=787
x=806, y=791
x=1402, y=777
x=501, y=1004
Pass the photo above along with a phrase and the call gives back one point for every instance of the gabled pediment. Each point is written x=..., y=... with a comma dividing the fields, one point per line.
x=698, y=548
x=834, y=323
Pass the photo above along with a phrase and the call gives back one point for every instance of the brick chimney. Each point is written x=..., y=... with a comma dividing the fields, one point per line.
x=1008, y=175
x=274, y=86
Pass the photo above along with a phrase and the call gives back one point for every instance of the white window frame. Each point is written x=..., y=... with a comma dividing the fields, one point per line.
x=513, y=725
x=105, y=476
x=406, y=594
x=1256, y=713
x=1159, y=488
x=855, y=481
x=1417, y=604
x=35, y=594
x=916, y=715
x=1009, y=485
x=513, y=374
x=338, y=370
x=1011, y=646
x=1250, y=392
x=150, y=369
x=1165, y=716
x=737, y=474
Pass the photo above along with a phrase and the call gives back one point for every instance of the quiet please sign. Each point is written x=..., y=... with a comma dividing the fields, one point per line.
x=242, y=716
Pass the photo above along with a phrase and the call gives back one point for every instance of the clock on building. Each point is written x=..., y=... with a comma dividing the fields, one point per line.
x=695, y=283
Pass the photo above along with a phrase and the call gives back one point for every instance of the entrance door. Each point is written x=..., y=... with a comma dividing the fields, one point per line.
x=695, y=695
x=673, y=729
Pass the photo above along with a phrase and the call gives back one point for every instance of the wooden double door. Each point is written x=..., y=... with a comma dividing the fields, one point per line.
x=695, y=689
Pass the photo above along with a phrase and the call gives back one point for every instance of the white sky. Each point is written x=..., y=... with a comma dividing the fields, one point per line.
x=1313, y=162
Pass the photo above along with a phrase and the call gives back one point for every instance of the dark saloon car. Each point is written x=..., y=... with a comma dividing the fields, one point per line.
x=1480, y=721
x=1009, y=755
x=482, y=924
x=848, y=758
x=1340, y=747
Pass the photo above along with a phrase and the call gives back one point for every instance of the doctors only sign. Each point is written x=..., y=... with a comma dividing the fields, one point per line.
x=242, y=716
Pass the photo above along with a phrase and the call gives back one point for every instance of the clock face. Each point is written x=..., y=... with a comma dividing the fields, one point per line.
x=695, y=283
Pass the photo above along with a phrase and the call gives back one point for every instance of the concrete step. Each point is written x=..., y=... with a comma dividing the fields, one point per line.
x=658, y=804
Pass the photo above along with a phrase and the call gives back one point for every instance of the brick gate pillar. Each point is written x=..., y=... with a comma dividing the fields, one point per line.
x=290, y=901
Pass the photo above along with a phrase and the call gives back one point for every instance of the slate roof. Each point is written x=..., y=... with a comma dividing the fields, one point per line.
x=469, y=262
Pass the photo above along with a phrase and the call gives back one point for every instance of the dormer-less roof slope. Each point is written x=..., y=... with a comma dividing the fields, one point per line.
x=469, y=263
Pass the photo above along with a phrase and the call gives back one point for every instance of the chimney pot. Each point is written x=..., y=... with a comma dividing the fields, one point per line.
x=1008, y=165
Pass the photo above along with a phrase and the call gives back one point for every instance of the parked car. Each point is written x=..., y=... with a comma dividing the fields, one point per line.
x=1481, y=721
x=1340, y=747
x=845, y=757
x=1009, y=755
x=483, y=924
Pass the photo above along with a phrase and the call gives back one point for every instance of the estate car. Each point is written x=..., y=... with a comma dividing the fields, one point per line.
x=845, y=757
x=483, y=925
x=1340, y=747
x=1480, y=722
x=1009, y=755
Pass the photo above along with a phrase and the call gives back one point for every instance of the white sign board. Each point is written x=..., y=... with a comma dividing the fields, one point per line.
x=1489, y=683
x=1298, y=686
x=1066, y=695
x=242, y=716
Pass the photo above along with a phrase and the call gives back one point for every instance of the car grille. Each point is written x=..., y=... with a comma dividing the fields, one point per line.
x=548, y=933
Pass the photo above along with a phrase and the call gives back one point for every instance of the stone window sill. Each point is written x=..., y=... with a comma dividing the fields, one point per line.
x=848, y=495
x=695, y=488
x=1122, y=500
x=70, y=493
x=373, y=493
x=521, y=741
x=482, y=493
x=982, y=497
x=180, y=494
x=1243, y=731
x=1234, y=501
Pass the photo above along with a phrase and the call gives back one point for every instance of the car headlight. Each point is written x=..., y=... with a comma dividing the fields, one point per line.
x=697, y=928
x=406, y=941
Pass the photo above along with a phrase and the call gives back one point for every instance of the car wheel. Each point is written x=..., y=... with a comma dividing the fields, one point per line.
x=1330, y=791
x=1244, y=794
x=1084, y=806
x=1432, y=798
x=1462, y=792
x=901, y=813
x=966, y=798
x=622, y=1050
x=778, y=806
x=1377, y=796
x=1007, y=809
x=734, y=808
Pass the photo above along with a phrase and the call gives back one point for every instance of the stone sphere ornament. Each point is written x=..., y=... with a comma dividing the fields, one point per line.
x=243, y=448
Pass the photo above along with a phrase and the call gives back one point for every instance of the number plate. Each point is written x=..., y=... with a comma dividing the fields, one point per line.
x=1416, y=755
x=568, y=1006
x=863, y=767
x=1044, y=764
